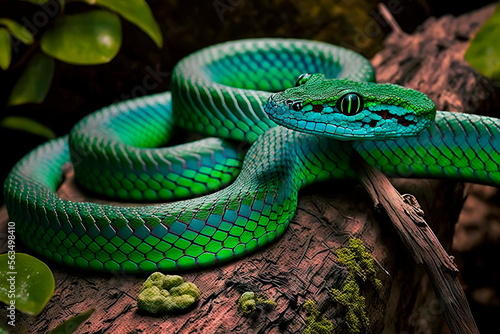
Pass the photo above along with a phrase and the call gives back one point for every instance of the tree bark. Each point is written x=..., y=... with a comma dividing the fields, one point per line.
x=409, y=223
x=302, y=264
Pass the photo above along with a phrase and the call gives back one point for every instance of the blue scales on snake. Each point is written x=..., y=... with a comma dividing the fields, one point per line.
x=303, y=105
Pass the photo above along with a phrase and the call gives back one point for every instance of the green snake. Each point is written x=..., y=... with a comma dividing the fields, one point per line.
x=230, y=203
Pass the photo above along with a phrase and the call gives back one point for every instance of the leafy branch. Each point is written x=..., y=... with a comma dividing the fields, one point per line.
x=89, y=38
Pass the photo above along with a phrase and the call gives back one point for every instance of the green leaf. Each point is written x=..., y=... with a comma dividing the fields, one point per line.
x=17, y=30
x=84, y=39
x=27, y=283
x=69, y=326
x=137, y=12
x=34, y=83
x=483, y=52
x=28, y=125
x=5, y=49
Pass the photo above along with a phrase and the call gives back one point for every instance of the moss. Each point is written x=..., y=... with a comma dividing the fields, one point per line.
x=246, y=303
x=361, y=268
x=250, y=302
x=161, y=294
x=358, y=261
x=316, y=323
x=354, y=303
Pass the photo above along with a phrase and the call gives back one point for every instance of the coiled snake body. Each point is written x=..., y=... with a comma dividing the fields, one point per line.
x=224, y=91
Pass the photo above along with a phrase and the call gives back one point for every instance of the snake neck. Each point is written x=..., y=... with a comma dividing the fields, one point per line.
x=457, y=146
x=296, y=158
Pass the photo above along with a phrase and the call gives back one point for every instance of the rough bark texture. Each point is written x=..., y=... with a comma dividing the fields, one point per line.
x=302, y=264
x=408, y=221
x=431, y=60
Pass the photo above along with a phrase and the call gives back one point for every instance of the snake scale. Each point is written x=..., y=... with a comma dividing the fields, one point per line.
x=232, y=204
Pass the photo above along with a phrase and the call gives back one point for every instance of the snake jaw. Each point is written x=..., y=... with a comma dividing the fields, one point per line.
x=405, y=120
x=366, y=125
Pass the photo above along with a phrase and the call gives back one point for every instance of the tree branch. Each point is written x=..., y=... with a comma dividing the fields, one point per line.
x=408, y=220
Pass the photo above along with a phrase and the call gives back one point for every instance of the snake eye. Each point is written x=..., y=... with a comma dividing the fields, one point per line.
x=296, y=105
x=350, y=104
x=302, y=79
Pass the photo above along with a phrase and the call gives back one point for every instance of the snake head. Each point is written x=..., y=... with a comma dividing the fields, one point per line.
x=351, y=110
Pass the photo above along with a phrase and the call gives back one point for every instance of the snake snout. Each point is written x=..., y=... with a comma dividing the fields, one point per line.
x=275, y=106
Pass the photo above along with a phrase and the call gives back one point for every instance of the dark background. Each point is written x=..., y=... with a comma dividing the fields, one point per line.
x=191, y=25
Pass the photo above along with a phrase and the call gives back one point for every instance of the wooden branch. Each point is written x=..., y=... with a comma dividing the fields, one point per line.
x=408, y=220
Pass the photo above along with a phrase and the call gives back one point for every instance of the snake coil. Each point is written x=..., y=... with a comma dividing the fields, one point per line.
x=241, y=203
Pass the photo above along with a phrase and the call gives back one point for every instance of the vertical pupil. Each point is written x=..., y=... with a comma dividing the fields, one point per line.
x=350, y=104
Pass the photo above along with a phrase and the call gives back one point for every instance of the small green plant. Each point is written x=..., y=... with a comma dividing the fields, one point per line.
x=250, y=302
x=162, y=294
x=360, y=267
x=359, y=262
x=89, y=38
x=316, y=322
x=26, y=283
x=354, y=304
x=70, y=325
